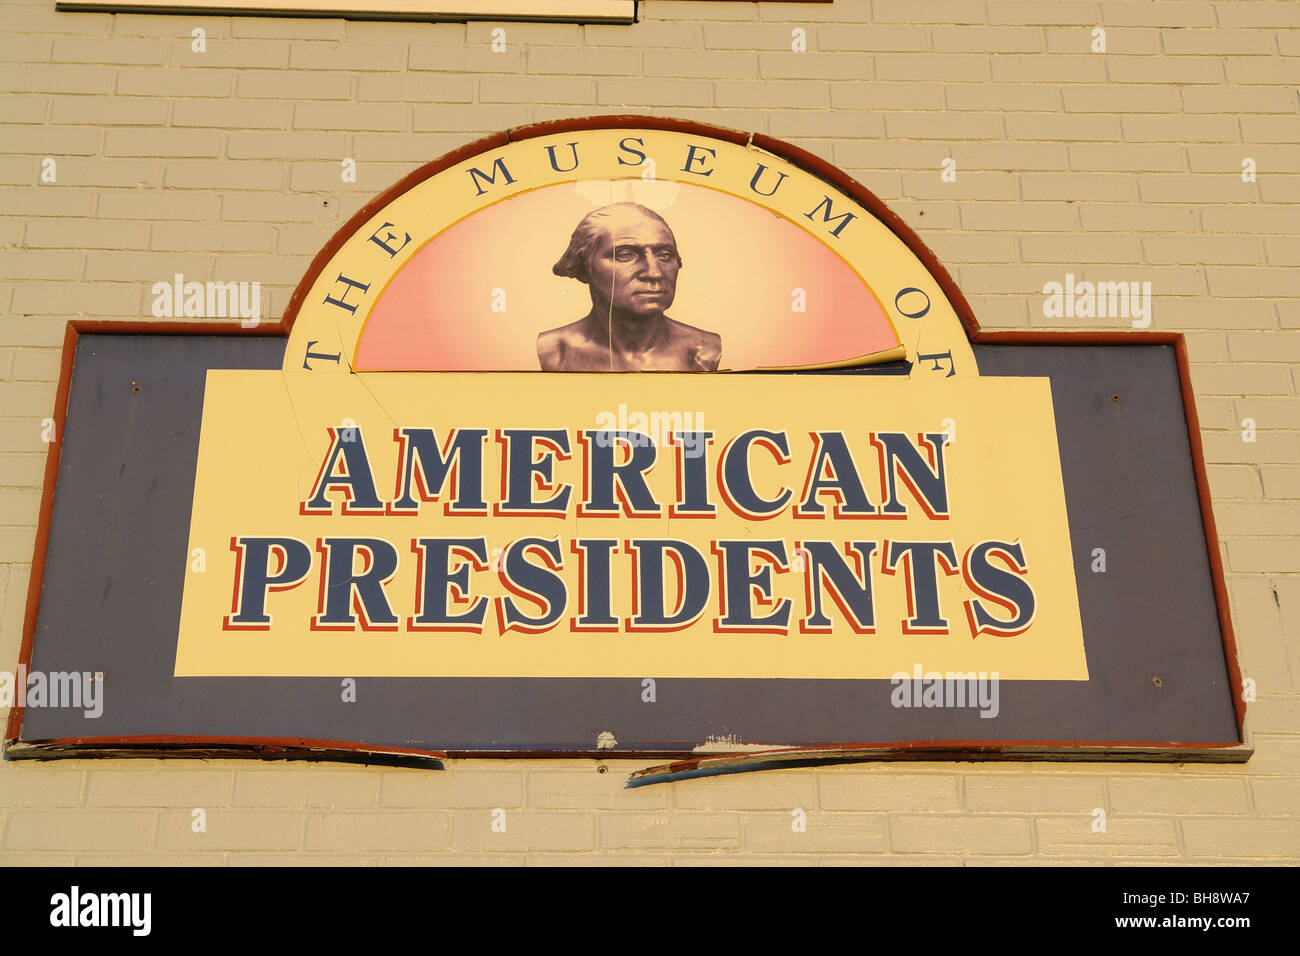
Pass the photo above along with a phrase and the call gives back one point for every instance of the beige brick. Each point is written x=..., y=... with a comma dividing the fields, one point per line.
x=25, y=49
x=376, y=830
x=1001, y=96
x=85, y=233
x=1206, y=249
x=954, y=67
x=173, y=82
x=1248, y=219
x=589, y=789
x=927, y=11
x=1037, y=794
x=609, y=62
x=1276, y=796
x=1272, y=346
x=968, y=833
x=1219, y=42
x=1024, y=216
x=302, y=787
x=1280, y=481
x=1050, y=68
x=26, y=107
x=1000, y=39
x=37, y=859
x=453, y=788
x=79, y=830
x=1124, y=836
x=231, y=114
x=1255, y=13
x=1241, y=481
x=1039, y=126
x=776, y=791
x=479, y=119
x=942, y=126
x=67, y=300
x=36, y=365
x=1214, y=837
x=1270, y=129
x=239, y=54
x=1160, y=13
x=51, y=200
x=109, y=111
x=1159, y=187
x=39, y=264
x=433, y=90
x=21, y=471
x=128, y=788
x=1237, y=100
x=51, y=141
x=1239, y=281
x=1254, y=555
x=1179, y=129
x=646, y=33
x=824, y=833
x=115, y=50
x=163, y=142
x=1070, y=249
x=1164, y=69
x=886, y=791
x=405, y=31
x=868, y=38
x=158, y=205
x=801, y=124
x=19, y=78
x=199, y=174
x=507, y=89
x=526, y=831
x=794, y=95
x=287, y=145
x=1227, y=447
x=133, y=24
x=387, y=146
x=288, y=85
x=1280, y=189
x=1128, y=42
x=141, y=267
x=850, y=95
x=1282, y=250
x=1093, y=188
x=460, y=59
x=223, y=236
x=289, y=28
x=1134, y=794
x=229, y=830
x=1121, y=99
x=347, y=56
x=1268, y=71
x=615, y=92
x=16, y=544
x=703, y=831
x=37, y=785
x=1275, y=713
x=956, y=247
x=1126, y=157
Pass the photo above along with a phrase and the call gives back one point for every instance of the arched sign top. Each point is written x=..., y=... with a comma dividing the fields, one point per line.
x=625, y=243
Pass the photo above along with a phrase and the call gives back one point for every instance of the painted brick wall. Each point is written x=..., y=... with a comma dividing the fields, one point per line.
x=1118, y=165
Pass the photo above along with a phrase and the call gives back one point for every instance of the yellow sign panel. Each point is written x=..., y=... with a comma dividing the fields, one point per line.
x=509, y=525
